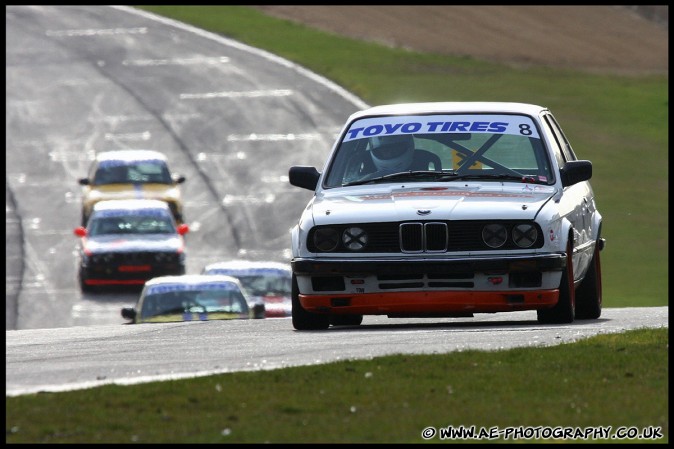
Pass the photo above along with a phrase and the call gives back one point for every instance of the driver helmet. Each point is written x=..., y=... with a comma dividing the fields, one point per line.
x=392, y=153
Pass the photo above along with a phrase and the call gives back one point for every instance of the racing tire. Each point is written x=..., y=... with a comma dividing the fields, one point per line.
x=302, y=319
x=588, y=294
x=346, y=320
x=259, y=311
x=565, y=309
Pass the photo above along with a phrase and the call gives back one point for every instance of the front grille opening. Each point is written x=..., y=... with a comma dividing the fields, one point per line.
x=515, y=298
x=411, y=237
x=466, y=275
x=399, y=277
x=449, y=284
x=422, y=236
x=525, y=279
x=340, y=302
x=436, y=237
x=401, y=285
x=327, y=283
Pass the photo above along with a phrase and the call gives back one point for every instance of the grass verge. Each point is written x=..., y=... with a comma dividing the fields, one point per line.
x=612, y=380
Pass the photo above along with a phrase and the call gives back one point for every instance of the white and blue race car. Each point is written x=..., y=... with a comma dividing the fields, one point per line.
x=446, y=210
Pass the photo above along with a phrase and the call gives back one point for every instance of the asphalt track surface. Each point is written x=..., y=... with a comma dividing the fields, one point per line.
x=85, y=357
x=232, y=119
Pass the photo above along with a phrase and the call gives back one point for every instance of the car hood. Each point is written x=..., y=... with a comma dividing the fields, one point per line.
x=430, y=202
x=131, y=242
x=134, y=191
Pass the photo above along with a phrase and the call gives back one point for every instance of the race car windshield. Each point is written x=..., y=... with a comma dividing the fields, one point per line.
x=462, y=146
x=130, y=224
x=136, y=172
x=194, y=301
x=261, y=284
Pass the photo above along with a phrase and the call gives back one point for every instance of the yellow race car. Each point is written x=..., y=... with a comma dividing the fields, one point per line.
x=131, y=174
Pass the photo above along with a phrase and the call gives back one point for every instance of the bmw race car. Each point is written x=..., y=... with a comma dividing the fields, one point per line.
x=131, y=174
x=190, y=297
x=127, y=242
x=447, y=210
x=268, y=284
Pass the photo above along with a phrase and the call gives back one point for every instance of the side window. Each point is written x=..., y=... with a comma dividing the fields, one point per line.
x=564, y=144
x=556, y=148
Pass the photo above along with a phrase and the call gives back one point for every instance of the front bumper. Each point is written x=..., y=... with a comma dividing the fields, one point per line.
x=102, y=275
x=429, y=304
x=348, y=267
x=429, y=287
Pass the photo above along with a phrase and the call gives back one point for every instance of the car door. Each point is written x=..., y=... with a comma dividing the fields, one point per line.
x=577, y=200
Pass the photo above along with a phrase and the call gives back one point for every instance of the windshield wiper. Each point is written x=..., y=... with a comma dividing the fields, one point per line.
x=500, y=177
x=400, y=175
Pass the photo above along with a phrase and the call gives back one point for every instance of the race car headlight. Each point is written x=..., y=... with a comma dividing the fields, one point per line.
x=354, y=238
x=326, y=239
x=524, y=235
x=494, y=235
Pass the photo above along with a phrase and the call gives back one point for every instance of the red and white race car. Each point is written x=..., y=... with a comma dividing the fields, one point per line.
x=267, y=283
x=127, y=242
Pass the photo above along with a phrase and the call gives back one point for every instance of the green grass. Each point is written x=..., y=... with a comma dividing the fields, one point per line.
x=608, y=380
x=619, y=123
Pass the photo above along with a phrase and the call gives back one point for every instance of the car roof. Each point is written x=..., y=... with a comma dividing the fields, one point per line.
x=245, y=265
x=132, y=204
x=130, y=155
x=451, y=107
x=192, y=279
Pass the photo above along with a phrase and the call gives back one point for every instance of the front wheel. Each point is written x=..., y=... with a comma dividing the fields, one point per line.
x=259, y=311
x=303, y=319
x=565, y=309
x=588, y=295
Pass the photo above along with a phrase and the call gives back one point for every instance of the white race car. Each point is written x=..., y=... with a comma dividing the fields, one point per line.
x=446, y=210
x=267, y=283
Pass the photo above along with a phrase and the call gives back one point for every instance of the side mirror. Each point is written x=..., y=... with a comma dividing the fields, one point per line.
x=83, y=181
x=304, y=177
x=129, y=313
x=178, y=179
x=574, y=172
x=80, y=231
x=183, y=229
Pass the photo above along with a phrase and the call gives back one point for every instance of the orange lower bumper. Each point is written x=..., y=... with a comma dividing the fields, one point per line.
x=429, y=302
